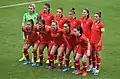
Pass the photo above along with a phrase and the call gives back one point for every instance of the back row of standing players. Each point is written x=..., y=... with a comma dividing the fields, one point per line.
x=61, y=36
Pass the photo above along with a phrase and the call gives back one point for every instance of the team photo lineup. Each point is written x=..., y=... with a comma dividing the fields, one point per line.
x=62, y=36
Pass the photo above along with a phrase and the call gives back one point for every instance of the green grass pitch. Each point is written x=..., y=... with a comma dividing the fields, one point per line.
x=11, y=39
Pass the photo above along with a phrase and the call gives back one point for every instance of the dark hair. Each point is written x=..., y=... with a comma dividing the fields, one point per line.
x=79, y=28
x=86, y=9
x=99, y=13
x=42, y=21
x=60, y=8
x=48, y=5
x=55, y=22
x=31, y=21
x=72, y=10
x=68, y=23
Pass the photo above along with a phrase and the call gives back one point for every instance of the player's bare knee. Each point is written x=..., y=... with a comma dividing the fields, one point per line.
x=60, y=53
x=76, y=59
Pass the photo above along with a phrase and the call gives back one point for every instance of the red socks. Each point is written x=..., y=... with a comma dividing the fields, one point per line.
x=55, y=55
x=67, y=62
x=77, y=65
x=94, y=61
x=98, y=63
x=35, y=55
x=60, y=59
x=26, y=54
x=90, y=60
x=84, y=66
x=41, y=57
x=52, y=60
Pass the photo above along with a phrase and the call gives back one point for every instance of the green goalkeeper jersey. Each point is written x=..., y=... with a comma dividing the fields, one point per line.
x=27, y=17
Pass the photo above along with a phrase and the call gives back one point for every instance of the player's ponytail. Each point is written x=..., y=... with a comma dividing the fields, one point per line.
x=79, y=28
x=100, y=14
x=72, y=10
x=88, y=12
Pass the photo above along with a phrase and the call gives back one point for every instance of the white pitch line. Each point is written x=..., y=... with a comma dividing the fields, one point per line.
x=12, y=5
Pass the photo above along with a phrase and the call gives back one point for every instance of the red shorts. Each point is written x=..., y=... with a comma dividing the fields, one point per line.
x=32, y=43
x=60, y=45
x=94, y=46
x=82, y=51
x=46, y=43
x=76, y=48
x=70, y=46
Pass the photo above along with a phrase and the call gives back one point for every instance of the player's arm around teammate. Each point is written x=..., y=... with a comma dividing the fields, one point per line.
x=31, y=14
x=59, y=45
x=45, y=37
x=70, y=43
x=33, y=39
x=83, y=50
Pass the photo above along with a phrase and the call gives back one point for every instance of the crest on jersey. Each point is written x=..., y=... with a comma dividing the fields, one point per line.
x=48, y=17
x=97, y=27
x=87, y=22
x=81, y=24
x=74, y=22
x=60, y=20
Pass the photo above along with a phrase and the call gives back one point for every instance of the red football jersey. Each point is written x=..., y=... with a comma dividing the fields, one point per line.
x=70, y=39
x=86, y=25
x=74, y=23
x=57, y=37
x=47, y=18
x=82, y=41
x=45, y=35
x=32, y=35
x=96, y=32
x=60, y=21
